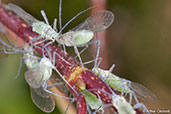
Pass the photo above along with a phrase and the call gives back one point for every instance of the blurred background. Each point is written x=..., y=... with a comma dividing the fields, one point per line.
x=138, y=43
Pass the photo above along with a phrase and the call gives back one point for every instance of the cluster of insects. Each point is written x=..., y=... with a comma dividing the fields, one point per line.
x=40, y=68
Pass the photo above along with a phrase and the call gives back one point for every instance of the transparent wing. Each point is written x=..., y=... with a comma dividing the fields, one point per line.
x=61, y=86
x=98, y=21
x=46, y=104
x=57, y=82
x=34, y=77
x=142, y=92
x=41, y=92
x=22, y=14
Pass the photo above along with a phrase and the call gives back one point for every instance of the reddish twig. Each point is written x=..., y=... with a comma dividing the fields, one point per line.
x=81, y=104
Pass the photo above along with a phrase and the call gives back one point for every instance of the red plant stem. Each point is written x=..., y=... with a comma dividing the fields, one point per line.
x=24, y=31
x=93, y=82
x=81, y=105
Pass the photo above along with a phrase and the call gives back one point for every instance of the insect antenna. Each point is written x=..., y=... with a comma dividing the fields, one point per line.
x=14, y=51
x=55, y=25
x=60, y=32
x=44, y=16
x=60, y=14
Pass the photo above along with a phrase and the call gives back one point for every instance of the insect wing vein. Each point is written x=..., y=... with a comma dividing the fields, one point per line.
x=142, y=92
x=34, y=77
x=22, y=14
x=41, y=92
x=98, y=21
x=47, y=104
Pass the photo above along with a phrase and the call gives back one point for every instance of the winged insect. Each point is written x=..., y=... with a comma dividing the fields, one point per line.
x=123, y=85
x=78, y=36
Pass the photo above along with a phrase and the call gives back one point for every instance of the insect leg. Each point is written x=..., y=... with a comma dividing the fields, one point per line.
x=63, y=45
x=52, y=41
x=82, y=51
x=56, y=84
x=35, y=39
x=48, y=91
x=69, y=105
x=40, y=42
x=91, y=61
x=43, y=48
x=55, y=25
x=101, y=108
x=88, y=109
x=53, y=62
x=128, y=85
x=13, y=51
x=60, y=86
x=19, y=70
x=65, y=80
x=125, y=87
x=132, y=95
x=51, y=79
x=78, y=54
x=97, y=52
x=60, y=46
x=21, y=62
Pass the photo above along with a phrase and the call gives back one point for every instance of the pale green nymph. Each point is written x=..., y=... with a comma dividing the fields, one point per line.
x=91, y=100
x=111, y=79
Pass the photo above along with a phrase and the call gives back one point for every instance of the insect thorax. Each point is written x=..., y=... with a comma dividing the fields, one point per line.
x=44, y=30
x=45, y=62
x=30, y=60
